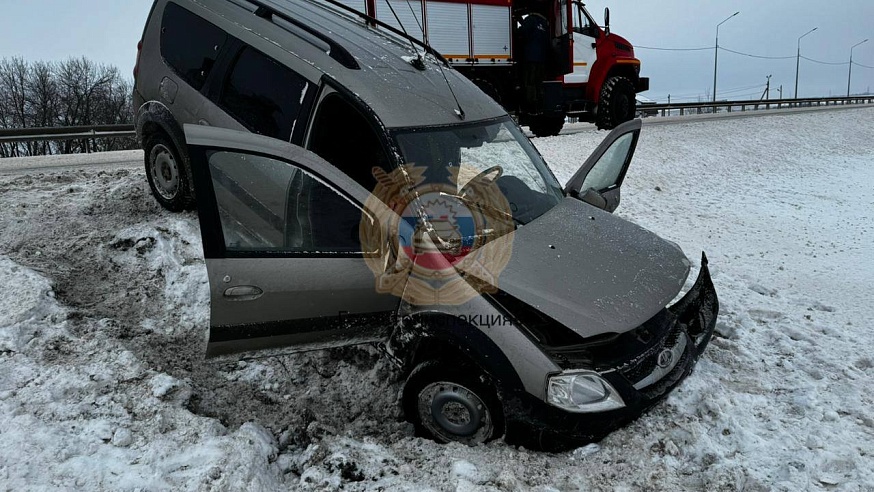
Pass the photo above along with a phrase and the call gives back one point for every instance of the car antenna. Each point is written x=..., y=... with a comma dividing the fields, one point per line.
x=419, y=62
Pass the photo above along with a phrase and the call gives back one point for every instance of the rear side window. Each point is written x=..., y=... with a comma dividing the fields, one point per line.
x=263, y=95
x=190, y=44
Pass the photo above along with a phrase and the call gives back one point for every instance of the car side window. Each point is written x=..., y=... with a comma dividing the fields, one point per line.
x=265, y=96
x=190, y=44
x=606, y=173
x=269, y=205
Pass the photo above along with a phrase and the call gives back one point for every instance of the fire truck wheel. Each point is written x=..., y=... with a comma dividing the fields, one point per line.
x=617, y=103
x=489, y=88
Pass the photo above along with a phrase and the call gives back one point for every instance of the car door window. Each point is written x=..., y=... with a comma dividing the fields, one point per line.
x=265, y=96
x=606, y=173
x=269, y=205
x=189, y=44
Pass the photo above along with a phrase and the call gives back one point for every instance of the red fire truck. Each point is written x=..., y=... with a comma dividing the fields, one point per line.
x=591, y=73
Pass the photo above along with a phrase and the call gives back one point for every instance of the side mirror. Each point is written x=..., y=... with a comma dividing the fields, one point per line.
x=594, y=198
x=607, y=20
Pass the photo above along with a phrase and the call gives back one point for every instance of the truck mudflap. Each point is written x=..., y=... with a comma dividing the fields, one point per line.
x=697, y=310
x=642, y=84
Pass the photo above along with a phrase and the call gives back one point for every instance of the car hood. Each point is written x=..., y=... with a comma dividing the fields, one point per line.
x=592, y=271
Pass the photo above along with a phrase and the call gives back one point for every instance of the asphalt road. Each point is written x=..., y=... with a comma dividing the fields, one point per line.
x=63, y=163
x=572, y=128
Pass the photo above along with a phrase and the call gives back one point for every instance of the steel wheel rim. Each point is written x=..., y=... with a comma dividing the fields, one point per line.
x=164, y=171
x=452, y=412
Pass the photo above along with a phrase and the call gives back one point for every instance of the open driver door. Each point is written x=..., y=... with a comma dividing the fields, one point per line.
x=560, y=19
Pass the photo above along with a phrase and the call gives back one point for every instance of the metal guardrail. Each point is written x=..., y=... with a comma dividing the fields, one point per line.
x=749, y=105
x=59, y=133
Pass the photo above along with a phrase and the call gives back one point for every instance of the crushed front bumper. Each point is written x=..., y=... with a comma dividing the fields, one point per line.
x=642, y=381
x=697, y=310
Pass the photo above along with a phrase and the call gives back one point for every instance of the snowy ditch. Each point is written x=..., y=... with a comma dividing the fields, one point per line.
x=105, y=305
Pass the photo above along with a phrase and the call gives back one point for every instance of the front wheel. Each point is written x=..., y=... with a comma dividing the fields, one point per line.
x=449, y=404
x=617, y=104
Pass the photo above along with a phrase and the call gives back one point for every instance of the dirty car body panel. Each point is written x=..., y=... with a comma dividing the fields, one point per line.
x=581, y=308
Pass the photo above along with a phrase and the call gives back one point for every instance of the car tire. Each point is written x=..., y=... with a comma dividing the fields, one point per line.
x=546, y=126
x=449, y=403
x=167, y=173
x=617, y=104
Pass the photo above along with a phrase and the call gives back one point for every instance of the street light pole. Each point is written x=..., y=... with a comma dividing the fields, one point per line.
x=798, y=60
x=850, y=75
x=716, y=53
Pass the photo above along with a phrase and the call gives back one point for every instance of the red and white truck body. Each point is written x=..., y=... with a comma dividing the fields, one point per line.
x=593, y=73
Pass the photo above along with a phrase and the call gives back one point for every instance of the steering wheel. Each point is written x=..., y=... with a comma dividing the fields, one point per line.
x=498, y=171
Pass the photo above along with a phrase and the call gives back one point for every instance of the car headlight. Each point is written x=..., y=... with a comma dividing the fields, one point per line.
x=582, y=392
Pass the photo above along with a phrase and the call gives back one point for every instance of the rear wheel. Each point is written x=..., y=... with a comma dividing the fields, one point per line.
x=617, y=104
x=452, y=404
x=546, y=126
x=166, y=171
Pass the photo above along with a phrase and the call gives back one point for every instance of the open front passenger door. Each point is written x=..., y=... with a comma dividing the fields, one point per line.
x=599, y=180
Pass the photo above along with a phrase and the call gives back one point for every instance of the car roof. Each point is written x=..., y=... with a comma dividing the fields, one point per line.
x=400, y=94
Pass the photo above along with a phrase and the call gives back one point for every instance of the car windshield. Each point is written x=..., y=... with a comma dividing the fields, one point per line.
x=473, y=157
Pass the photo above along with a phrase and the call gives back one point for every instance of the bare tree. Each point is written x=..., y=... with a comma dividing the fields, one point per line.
x=75, y=92
x=42, y=96
x=14, y=73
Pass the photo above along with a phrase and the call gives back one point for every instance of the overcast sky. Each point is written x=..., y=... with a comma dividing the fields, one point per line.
x=107, y=31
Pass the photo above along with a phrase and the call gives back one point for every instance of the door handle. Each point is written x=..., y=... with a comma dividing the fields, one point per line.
x=243, y=293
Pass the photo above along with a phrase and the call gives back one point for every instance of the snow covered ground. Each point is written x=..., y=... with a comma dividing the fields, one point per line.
x=104, y=308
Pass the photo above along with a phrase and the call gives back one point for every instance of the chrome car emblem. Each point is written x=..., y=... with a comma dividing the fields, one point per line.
x=665, y=357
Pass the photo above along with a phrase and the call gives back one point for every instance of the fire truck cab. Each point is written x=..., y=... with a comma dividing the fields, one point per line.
x=590, y=73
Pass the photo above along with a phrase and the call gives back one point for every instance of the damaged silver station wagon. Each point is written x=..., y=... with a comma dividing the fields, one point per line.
x=352, y=188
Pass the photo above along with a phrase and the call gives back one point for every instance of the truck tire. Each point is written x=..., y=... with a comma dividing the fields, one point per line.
x=546, y=126
x=448, y=403
x=489, y=88
x=167, y=173
x=617, y=104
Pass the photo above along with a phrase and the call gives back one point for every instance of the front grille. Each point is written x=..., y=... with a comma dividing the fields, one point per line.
x=646, y=363
x=668, y=380
x=623, y=47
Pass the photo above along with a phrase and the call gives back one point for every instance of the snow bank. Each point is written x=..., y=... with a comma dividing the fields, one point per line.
x=85, y=413
x=105, y=306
